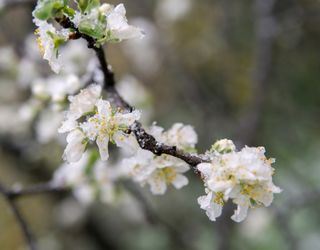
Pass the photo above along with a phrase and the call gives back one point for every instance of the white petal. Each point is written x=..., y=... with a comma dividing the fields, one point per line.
x=205, y=200
x=127, y=119
x=180, y=181
x=205, y=169
x=214, y=211
x=104, y=108
x=67, y=126
x=102, y=142
x=127, y=142
x=75, y=146
x=157, y=184
x=240, y=214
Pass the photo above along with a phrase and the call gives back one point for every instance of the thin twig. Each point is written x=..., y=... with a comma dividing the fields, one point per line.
x=20, y=219
x=41, y=188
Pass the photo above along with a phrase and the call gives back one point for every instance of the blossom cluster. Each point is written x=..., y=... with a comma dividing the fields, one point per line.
x=103, y=22
x=90, y=118
x=161, y=171
x=245, y=177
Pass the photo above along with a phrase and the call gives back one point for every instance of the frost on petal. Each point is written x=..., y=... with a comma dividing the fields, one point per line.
x=240, y=213
x=204, y=201
x=90, y=129
x=102, y=142
x=84, y=102
x=182, y=136
x=205, y=169
x=104, y=108
x=213, y=209
x=75, y=146
x=126, y=142
x=67, y=126
x=117, y=23
x=180, y=181
x=157, y=184
x=127, y=119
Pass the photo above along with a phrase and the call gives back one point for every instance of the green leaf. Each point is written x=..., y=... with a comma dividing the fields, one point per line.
x=87, y=5
x=95, y=31
x=48, y=9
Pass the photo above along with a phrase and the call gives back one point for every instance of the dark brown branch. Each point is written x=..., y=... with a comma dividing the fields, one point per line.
x=145, y=140
x=20, y=219
x=48, y=187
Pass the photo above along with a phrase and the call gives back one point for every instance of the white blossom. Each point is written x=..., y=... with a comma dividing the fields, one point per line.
x=102, y=123
x=160, y=171
x=182, y=136
x=46, y=43
x=76, y=146
x=245, y=177
x=80, y=104
x=107, y=125
x=117, y=24
x=223, y=146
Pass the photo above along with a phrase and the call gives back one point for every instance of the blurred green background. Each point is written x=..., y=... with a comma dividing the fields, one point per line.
x=245, y=70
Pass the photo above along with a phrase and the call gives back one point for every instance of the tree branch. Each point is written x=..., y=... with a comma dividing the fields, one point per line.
x=145, y=140
x=41, y=188
x=20, y=219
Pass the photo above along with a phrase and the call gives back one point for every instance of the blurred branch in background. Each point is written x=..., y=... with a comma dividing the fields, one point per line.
x=25, y=229
x=265, y=33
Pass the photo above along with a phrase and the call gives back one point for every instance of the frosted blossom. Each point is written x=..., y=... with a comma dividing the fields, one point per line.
x=76, y=146
x=47, y=42
x=102, y=123
x=245, y=177
x=182, y=136
x=159, y=171
x=223, y=146
x=107, y=125
x=80, y=104
x=117, y=24
x=179, y=135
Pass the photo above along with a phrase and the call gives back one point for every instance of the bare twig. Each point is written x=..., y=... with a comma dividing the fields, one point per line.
x=41, y=188
x=20, y=219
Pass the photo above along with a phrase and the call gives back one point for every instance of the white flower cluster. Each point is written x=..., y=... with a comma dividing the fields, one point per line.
x=245, y=177
x=116, y=24
x=164, y=170
x=101, y=123
x=90, y=179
